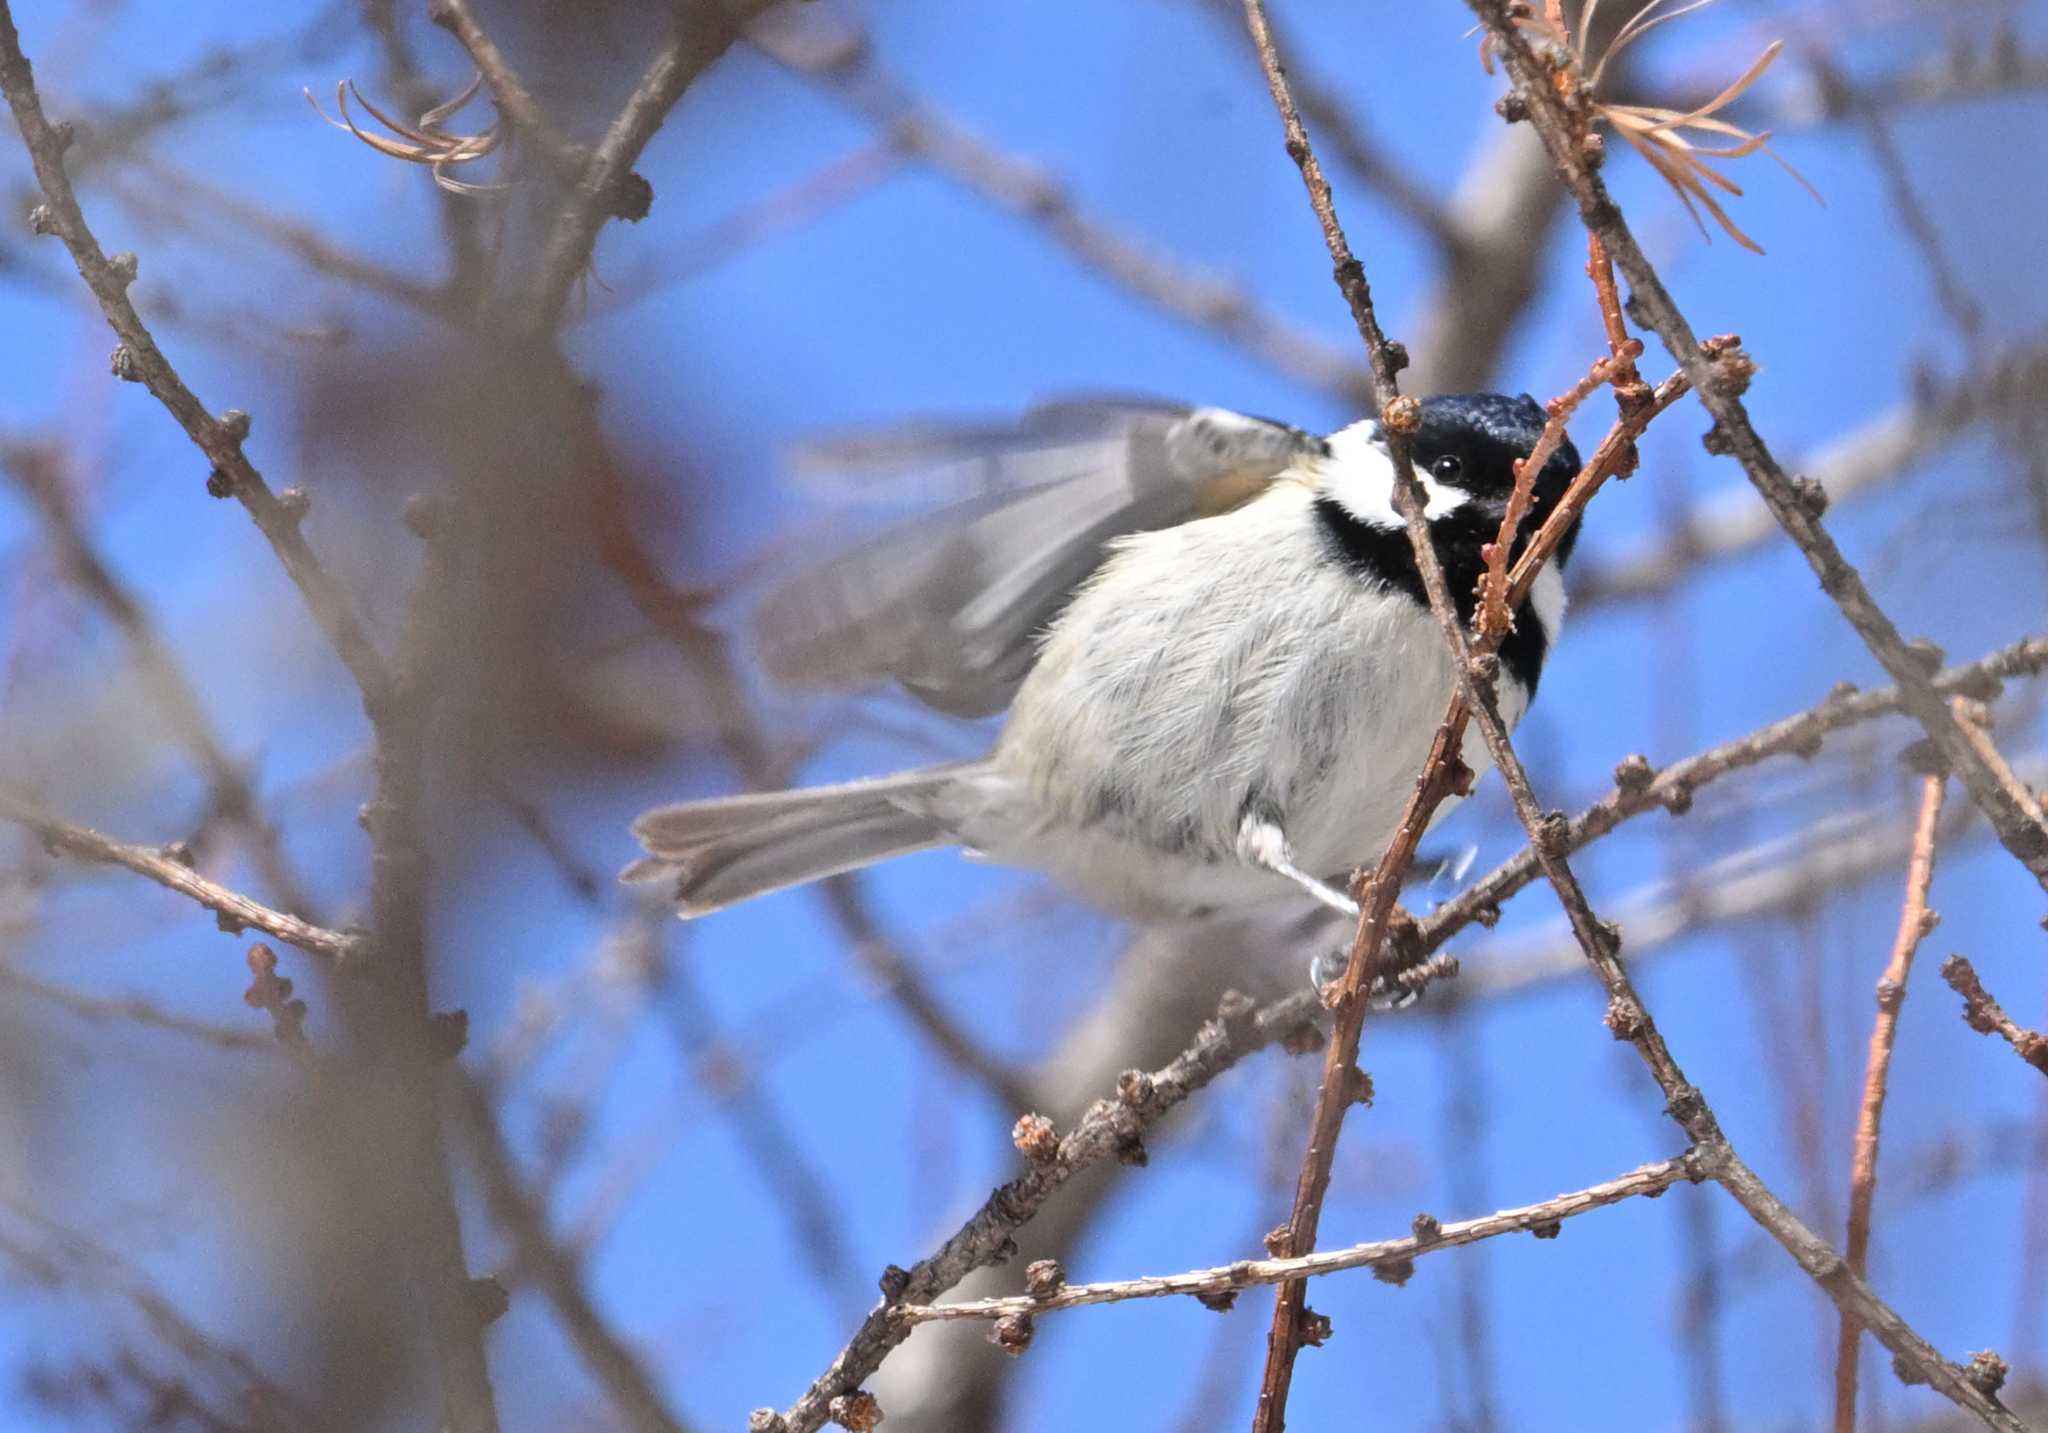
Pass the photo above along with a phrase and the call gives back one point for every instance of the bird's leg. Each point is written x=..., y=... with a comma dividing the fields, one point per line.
x=1261, y=843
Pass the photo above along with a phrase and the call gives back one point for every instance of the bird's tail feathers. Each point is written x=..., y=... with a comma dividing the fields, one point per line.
x=718, y=853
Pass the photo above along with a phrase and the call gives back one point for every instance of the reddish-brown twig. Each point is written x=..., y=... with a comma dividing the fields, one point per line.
x=1342, y=1083
x=1797, y=507
x=1495, y=614
x=1564, y=127
x=1915, y=921
x=1985, y=1015
x=1444, y=772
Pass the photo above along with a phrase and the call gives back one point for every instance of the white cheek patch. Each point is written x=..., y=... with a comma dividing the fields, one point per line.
x=1359, y=474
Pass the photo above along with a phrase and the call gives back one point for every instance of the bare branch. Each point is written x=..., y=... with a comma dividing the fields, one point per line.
x=1640, y=788
x=1985, y=1015
x=102, y=1009
x=1776, y=878
x=1346, y=136
x=231, y=794
x=1990, y=781
x=607, y=188
x=1882, y=450
x=1915, y=921
x=164, y=865
x=1627, y=1016
x=515, y=101
x=1443, y=773
x=1648, y=1181
x=138, y=359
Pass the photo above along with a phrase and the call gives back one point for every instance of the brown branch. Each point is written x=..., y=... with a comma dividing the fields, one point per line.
x=1779, y=878
x=1627, y=1016
x=1990, y=782
x=514, y=100
x=1444, y=772
x=167, y=867
x=606, y=188
x=1883, y=450
x=1640, y=788
x=1110, y=1128
x=404, y=1043
x=1342, y=1083
x=1915, y=921
x=1629, y=1019
x=1647, y=1181
x=138, y=359
x=1985, y=1015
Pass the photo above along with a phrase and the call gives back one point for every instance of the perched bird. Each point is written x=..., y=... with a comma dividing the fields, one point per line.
x=1220, y=670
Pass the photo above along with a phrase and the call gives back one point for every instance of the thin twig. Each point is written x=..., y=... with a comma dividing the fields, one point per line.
x=168, y=868
x=1444, y=773
x=676, y=617
x=1985, y=1015
x=1915, y=921
x=1639, y=787
x=1990, y=781
x=1627, y=1016
x=607, y=188
x=1780, y=878
x=170, y=195
x=138, y=359
x=1648, y=1181
x=1882, y=450
x=1963, y=310
x=514, y=100
x=1346, y=137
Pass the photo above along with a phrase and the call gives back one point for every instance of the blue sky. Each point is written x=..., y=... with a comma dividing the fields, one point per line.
x=917, y=297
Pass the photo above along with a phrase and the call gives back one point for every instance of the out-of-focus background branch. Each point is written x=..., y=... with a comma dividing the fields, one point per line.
x=686, y=1155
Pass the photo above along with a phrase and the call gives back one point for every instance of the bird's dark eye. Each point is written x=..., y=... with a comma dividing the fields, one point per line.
x=1447, y=467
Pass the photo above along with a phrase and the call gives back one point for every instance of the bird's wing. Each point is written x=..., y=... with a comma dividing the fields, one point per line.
x=948, y=604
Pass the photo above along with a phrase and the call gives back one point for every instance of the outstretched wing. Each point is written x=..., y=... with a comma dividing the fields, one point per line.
x=948, y=604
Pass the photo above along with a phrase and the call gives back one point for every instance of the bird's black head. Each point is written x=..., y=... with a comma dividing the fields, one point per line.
x=1469, y=443
x=1464, y=452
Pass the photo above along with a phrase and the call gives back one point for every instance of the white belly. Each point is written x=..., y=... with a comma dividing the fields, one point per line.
x=1211, y=669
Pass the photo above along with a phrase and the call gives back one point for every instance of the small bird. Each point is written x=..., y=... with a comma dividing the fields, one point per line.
x=1220, y=670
